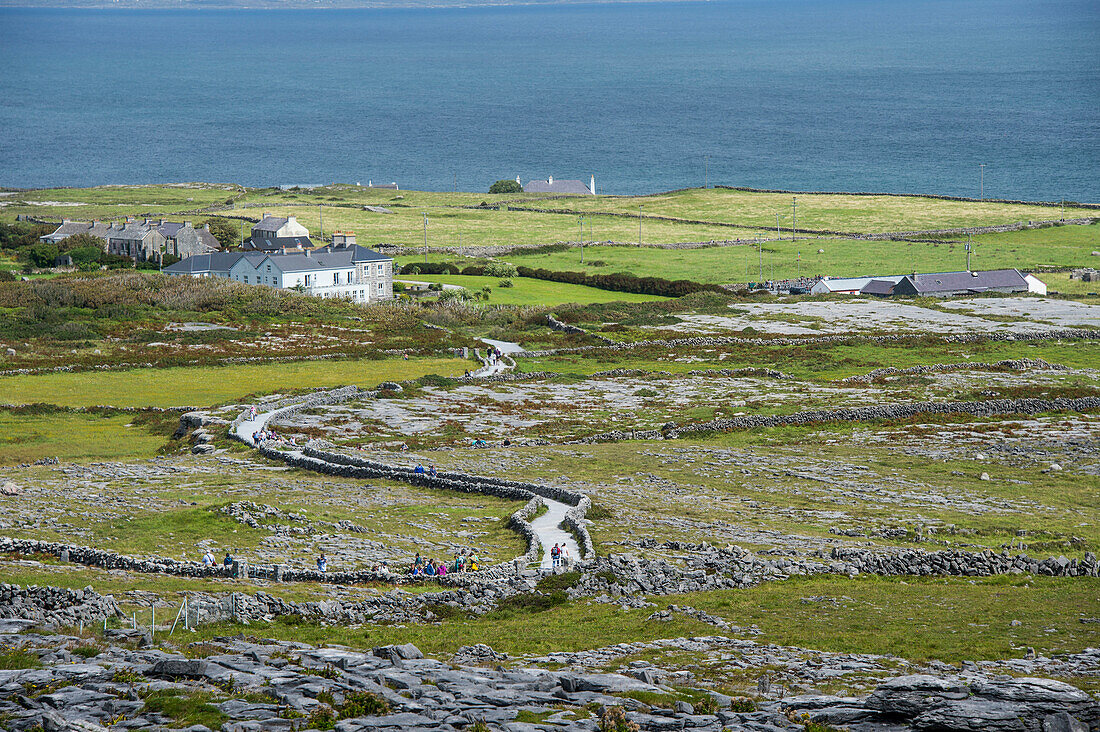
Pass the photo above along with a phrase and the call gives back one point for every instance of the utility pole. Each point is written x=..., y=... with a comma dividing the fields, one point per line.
x=425, y=237
x=794, y=217
x=967, y=248
x=582, y=239
x=760, y=251
x=242, y=233
x=777, y=234
x=981, y=193
x=1063, y=209
x=639, y=224
x=321, y=214
x=706, y=172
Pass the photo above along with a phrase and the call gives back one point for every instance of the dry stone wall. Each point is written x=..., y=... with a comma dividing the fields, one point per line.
x=55, y=607
x=712, y=341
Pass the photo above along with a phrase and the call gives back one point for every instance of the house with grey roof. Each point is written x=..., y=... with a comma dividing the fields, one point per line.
x=72, y=228
x=343, y=270
x=140, y=242
x=276, y=232
x=949, y=284
x=567, y=187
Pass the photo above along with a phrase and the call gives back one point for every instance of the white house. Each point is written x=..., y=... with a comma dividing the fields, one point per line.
x=276, y=232
x=348, y=271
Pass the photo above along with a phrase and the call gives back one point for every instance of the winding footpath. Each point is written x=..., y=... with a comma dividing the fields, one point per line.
x=547, y=526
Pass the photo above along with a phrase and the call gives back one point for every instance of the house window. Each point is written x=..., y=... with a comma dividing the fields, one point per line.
x=381, y=288
x=246, y=279
x=269, y=268
x=380, y=269
x=336, y=278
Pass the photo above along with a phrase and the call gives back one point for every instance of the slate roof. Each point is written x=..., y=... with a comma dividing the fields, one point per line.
x=845, y=284
x=169, y=229
x=878, y=287
x=558, y=186
x=326, y=258
x=270, y=223
x=201, y=263
x=994, y=279
x=274, y=243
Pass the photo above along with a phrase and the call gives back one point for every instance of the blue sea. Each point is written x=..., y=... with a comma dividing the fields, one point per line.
x=868, y=95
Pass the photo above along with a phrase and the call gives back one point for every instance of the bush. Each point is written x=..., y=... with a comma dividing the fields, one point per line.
x=474, y=270
x=506, y=185
x=459, y=295
x=228, y=234
x=86, y=258
x=430, y=268
x=622, y=282
x=505, y=283
x=7, y=275
x=363, y=704
x=500, y=269
x=42, y=254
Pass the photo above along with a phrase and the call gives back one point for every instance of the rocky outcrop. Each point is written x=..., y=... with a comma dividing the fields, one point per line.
x=268, y=684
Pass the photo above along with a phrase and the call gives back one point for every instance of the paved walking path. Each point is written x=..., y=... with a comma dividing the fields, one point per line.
x=545, y=526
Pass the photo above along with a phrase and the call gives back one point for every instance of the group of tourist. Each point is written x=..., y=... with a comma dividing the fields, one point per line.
x=559, y=556
x=208, y=559
x=431, y=471
x=430, y=568
x=261, y=436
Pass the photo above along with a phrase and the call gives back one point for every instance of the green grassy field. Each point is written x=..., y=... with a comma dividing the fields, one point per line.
x=526, y=291
x=1060, y=247
x=176, y=387
x=76, y=437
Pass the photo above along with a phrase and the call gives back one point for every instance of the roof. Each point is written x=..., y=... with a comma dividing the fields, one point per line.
x=67, y=229
x=994, y=279
x=270, y=223
x=878, y=287
x=845, y=284
x=213, y=262
x=274, y=243
x=357, y=253
x=558, y=186
x=169, y=229
x=326, y=258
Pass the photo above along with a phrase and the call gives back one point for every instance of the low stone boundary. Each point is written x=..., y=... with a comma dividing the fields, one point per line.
x=298, y=403
x=711, y=341
x=1020, y=364
x=880, y=412
x=555, y=324
x=961, y=563
x=54, y=607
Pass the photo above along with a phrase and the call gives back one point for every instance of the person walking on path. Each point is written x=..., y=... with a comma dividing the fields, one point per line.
x=322, y=563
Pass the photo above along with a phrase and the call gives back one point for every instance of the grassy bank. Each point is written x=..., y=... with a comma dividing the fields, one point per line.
x=527, y=291
x=175, y=387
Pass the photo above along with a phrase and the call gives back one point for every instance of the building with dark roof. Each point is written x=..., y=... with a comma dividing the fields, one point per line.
x=949, y=284
x=145, y=240
x=568, y=187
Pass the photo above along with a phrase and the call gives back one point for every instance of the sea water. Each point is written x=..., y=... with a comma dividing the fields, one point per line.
x=871, y=95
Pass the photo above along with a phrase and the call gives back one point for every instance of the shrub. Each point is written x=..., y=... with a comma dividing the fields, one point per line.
x=504, y=283
x=430, y=268
x=614, y=719
x=322, y=717
x=12, y=659
x=459, y=295
x=474, y=270
x=42, y=254
x=622, y=282
x=500, y=269
x=363, y=704
x=742, y=704
x=506, y=185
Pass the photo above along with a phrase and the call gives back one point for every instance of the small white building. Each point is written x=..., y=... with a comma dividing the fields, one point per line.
x=1036, y=285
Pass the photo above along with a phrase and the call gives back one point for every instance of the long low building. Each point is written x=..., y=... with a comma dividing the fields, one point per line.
x=343, y=270
x=933, y=284
x=145, y=240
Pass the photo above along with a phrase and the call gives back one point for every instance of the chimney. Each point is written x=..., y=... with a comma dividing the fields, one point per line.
x=96, y=222
x=66, y=221
x=264, y=215
x=187, y=225
x=291, y=219
x=592, y=185
x=309, y=252
x=282, y=250
x=550, y=180
x=518, y=180
x=206, y=226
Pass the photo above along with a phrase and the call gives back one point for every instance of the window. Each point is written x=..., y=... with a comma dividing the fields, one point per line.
x=336, y=278
x=269, y=268
x=381, y=288
x=381, y=269
x=246, y=279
